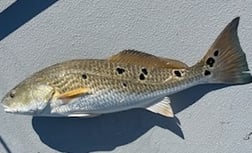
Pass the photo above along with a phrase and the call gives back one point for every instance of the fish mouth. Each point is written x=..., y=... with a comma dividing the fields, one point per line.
x=9, y=110
x=16, y=111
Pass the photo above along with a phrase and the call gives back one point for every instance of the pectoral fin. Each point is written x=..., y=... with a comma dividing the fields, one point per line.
x=73, y=93
x=162, y=108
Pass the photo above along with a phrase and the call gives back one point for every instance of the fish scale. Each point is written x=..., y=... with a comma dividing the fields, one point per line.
x=72, y=77
x=127, y=80
x=135, y=92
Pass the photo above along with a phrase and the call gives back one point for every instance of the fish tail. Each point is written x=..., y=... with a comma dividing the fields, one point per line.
x=225, y=62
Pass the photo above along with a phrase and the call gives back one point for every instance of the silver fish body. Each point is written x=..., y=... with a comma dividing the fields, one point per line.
x=130, y=91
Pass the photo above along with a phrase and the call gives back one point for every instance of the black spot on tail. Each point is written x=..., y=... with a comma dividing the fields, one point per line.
x=210, y=61
x=207, y=72
x=216, y=53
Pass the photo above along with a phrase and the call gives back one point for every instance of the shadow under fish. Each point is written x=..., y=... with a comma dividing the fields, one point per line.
x=106, y=132
x=102, y=133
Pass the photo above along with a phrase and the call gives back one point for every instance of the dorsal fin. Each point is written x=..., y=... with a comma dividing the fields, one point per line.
x=145, y=59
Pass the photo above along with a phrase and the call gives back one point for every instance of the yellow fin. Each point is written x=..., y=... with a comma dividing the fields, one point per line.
x=162, y=108
x=145, y=59
x=73, y=93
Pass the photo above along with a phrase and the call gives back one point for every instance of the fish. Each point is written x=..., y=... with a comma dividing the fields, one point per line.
x=127, y=80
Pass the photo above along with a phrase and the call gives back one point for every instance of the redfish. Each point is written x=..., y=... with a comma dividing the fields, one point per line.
x=127, y=80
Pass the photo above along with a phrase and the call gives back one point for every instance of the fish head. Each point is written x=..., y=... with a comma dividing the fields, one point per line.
x=27, y=98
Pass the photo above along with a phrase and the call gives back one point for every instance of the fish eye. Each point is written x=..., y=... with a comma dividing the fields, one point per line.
x=12, y=93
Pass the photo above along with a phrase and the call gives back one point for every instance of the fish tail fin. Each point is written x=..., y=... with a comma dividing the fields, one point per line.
x=225, y=62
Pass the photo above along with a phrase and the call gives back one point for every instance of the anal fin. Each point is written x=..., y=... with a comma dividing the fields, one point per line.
x=163, y=108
